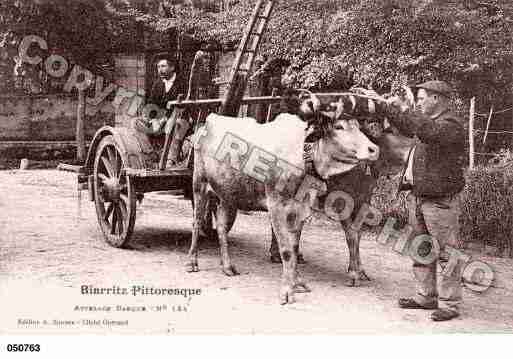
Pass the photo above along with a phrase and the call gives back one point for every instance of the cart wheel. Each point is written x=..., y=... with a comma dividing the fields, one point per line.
x=114, y=194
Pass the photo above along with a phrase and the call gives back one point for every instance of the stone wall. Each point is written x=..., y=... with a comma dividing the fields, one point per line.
x=37, y=150
x=46, y=118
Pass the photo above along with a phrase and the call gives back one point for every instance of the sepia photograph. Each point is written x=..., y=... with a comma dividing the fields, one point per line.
x=255, y=167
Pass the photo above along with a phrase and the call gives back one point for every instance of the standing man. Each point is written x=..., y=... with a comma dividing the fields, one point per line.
x=434, y=177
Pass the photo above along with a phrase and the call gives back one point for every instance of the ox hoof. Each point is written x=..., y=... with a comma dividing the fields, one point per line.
x=230, y=271
x=356, y=277
x=360, y=274
x=276, y=258
x=353, y=282
x=364, y=276
x=302, y=288
x=191, y=267
x=287, y=296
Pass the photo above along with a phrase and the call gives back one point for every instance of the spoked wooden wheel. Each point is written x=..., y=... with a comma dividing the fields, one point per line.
x=114, y=194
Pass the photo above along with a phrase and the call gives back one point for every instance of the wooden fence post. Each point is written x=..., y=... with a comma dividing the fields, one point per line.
x=471, y=132
x=80, y=138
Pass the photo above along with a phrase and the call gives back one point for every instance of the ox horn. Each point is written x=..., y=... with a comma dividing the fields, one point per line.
x=410, y=97
x=314, y=102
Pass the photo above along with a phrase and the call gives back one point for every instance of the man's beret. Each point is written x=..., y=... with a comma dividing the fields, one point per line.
x=440, y=87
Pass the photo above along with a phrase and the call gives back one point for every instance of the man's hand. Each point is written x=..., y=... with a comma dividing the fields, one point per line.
x=150, y=126
x=157, y=125
x=399, y=103
x=395, y=101
x=370, y=93
x=403, y=102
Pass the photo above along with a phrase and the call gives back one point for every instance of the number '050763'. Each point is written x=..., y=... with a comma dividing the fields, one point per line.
x=23, y=347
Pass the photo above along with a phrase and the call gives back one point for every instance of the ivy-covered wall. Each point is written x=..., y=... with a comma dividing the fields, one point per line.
x=332, y=44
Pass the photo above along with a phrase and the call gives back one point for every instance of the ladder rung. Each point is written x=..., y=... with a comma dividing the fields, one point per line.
x=249, y=49
x=251, y=40
x=248, y=52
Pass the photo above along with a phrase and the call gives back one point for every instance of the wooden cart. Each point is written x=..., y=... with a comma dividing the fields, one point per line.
x=121, y=165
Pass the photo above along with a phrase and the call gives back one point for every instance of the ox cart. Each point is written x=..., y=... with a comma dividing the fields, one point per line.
x=123, y=164
x=121, y=167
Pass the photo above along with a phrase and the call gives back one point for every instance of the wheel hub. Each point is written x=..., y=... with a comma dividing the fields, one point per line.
x=112, y=189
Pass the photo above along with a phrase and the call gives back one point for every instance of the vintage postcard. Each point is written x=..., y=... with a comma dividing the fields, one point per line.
x=255, y=167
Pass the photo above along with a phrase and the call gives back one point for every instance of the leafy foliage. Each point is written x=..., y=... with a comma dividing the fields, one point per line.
x=487, y=206
x=331, y=44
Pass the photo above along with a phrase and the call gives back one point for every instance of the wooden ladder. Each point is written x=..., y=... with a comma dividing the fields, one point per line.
x=244, y=57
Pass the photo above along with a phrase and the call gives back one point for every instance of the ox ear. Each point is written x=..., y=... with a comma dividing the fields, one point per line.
x=410, y=97
x=339, y=108
x=310, y=103
x=316, y=102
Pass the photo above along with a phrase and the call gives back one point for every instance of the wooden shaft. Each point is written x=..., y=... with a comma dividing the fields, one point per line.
x=80, y=136
x=270, y=106
x=488, y=124
x=471, y=132
x=177, y=113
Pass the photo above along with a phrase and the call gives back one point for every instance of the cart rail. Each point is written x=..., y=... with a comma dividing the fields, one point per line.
x=146, y=173
x=218, y=102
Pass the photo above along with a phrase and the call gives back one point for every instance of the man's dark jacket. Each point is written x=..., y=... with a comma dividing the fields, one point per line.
x=438, y=157
x=159, y=96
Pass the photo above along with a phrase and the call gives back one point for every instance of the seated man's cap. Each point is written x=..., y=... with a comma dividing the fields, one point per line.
x=440, y=87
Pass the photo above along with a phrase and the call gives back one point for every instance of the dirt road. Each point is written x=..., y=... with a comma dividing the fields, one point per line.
x=51, y=246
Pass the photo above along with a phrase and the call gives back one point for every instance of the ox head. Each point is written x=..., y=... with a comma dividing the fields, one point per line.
x=340, y=144
x=394, y=147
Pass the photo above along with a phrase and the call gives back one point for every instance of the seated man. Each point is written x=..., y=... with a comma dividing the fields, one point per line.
x=167, y=88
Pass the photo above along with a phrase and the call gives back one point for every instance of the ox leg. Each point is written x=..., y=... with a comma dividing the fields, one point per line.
x=355, y=270
x=225, y=218
x=275, y=252
x=288, y=245
x=200, y=206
